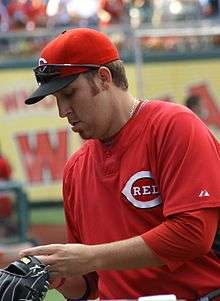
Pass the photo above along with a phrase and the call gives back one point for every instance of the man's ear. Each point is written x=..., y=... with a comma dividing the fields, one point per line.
x=105, y=76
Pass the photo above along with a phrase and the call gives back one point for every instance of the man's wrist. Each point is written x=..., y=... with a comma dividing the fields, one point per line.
x=87, y=292
x=57, y=283
x=61, y=283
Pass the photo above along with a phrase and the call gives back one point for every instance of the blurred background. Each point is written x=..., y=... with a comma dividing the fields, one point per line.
x=171, y=49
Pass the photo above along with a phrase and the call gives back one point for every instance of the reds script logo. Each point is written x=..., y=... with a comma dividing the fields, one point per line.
x=141, y=191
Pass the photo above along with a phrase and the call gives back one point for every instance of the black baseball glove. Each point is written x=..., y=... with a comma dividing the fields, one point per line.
x=24, y=280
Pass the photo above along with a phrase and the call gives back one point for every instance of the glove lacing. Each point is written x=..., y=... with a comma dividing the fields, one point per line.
x=35, y=293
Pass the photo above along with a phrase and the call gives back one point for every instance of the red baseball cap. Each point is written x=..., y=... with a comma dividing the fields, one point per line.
x=65, y=57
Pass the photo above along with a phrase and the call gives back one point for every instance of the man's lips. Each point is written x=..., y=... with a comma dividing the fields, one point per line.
x=73, y=123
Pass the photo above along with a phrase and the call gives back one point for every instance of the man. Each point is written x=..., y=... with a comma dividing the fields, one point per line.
x=142, y=195
x=193, y=102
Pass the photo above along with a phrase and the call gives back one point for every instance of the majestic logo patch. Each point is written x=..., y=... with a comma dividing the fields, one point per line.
x=204, y=193
x=141, y=191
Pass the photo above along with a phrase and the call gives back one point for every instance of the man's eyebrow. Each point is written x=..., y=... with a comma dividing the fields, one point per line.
x=68, y=90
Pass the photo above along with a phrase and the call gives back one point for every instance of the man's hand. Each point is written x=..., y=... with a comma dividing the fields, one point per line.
x=64, y=260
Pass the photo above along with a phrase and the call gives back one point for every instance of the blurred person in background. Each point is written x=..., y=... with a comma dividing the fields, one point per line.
x=72, y=13
x=4, y=17
x=140, y=12
x=210, y=8
x=166, y=11
x=58, y=13
x=193, y=102
x=27, y=14
x=209, y=115
x=18, y=13
x=36, y=12
x=5, y=2
x=84, y=13
x=111, y=12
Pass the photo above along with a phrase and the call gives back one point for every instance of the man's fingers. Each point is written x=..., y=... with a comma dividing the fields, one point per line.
x=40, y=250
x=46, y=259
x=55, y=275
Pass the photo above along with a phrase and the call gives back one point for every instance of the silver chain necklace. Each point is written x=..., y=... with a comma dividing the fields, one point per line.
x=133, y=108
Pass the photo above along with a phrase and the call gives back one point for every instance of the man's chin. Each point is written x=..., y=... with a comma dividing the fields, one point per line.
x=84, y=136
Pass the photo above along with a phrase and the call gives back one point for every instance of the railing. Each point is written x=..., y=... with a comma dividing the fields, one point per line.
x=198, y=36
x=20, y=209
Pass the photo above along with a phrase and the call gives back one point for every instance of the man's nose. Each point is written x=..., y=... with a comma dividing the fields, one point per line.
x=63, y=109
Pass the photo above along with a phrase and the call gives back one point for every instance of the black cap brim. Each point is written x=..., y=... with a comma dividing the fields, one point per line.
x=50, y=87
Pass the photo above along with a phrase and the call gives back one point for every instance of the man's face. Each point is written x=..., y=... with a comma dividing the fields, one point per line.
x=87, y=107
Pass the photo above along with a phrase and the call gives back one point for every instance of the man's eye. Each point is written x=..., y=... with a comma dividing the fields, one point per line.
x=67, y=95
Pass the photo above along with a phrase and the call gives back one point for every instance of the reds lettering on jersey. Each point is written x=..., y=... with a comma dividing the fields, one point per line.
x=141, y=190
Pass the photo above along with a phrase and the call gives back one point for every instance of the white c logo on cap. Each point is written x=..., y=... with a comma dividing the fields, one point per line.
x=41, y=61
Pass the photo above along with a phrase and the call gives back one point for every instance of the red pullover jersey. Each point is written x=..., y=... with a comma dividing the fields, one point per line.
x=164, y=161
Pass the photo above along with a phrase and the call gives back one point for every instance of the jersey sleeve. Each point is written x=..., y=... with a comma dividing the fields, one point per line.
x=183, y=237
x=187, y=163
